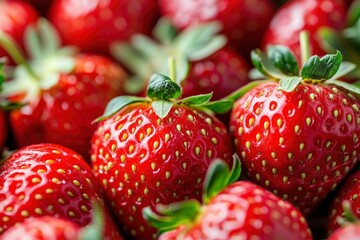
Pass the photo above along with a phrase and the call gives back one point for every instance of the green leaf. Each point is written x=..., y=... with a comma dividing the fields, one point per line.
x=200, y=40
x=95, y=230
x=2, y=74
x=134, y=85
x=265, y=65
x=255, y=74
x=164, y=31
x=162, y=108
x=219, y=106
x=216, y=179
x=353, y=13
x=235, y=170
x=283, y=59
x=350, y=87
x=197, y=100
x=322, y=68
x=162, y=87
x=118, y=103
x=50, y=38
x=173, y=215
x=181, y=68
x=289, y=84
x=345, y=68
x=145, y=45
x=353, y=33
x=32, y=43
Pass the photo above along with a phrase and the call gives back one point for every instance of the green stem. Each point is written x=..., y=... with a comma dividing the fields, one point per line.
x=172, y=69
x=241, y=91
x=305, y=46
x=10, y=46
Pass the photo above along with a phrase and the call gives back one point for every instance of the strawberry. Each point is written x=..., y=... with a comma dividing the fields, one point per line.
x=55, y=86
x=49, y=180
x=244, y=22
x=298, y=15
x=156, y=150
x=349, y=191
x=351, y=223
x=204, y=63
x=298, y=136
x=232, y=210
x=93, y=25
x=15, y=17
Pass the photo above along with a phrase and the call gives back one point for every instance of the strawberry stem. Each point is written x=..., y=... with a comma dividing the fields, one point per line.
x=172, y=69
x=305, y=46
x=10, y=46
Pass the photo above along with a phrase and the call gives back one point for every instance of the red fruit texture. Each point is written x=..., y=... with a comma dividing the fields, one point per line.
x=142, y=160
x=299, y=144
x=43, y=228
x=221, y=73
x=15, y=17
x=244, y=22
x=298, y=15
x=349, y=191
x=347, y=232
x=49, y=180
x=244, y=210
x=64, y=113
x=93, y=24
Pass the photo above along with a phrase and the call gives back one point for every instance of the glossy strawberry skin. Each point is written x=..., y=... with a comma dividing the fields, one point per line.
x=15, y=17
x=64, y=113
x=350, y=231
x=93, y=25
x=244, y=22
x=221, y=73
x=349, y=190
x=298, y=15
x=49, y=180
x=297, y=144
x=244, y=210
x=43, y=228
x=142, y=160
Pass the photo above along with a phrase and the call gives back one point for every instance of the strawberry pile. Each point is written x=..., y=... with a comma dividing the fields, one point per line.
x=172, y=120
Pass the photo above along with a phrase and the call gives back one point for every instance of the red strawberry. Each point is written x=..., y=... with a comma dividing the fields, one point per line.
x=349, y=191
x=203, y=63
x=63, y=94
x=15, y=17
x=351, y=231
x=296, y=138
x=49, y=180
x=93, y=25
x=298, y=15
x=242, y=210
x=43, y=228
x=156, y=150
x=244, y=22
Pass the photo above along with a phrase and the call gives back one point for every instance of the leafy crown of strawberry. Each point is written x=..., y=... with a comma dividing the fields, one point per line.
x=281, y=65
x=163, y=92
x=47, y=60
x=144, y=55
x=171, y=216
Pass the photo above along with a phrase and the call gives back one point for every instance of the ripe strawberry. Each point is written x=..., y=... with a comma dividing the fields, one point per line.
x=93, y=25
x=49, y=180
x=298, y=15
x=62, y=92
x=349, y=191
x=203, y=63
x=244, y=22
x=242, y=210
x=351, y=231
x=15, y=17
x=156, y=150
x=298, y=136
x=43, y=228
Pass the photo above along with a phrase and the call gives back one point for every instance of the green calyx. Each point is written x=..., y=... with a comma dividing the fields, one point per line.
x=145, y=55
x=280, y=64
x=95, y=230
x=2, y=74
x=47, y=59
x=348, y=215
x=163, y=93
x=169, y=217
